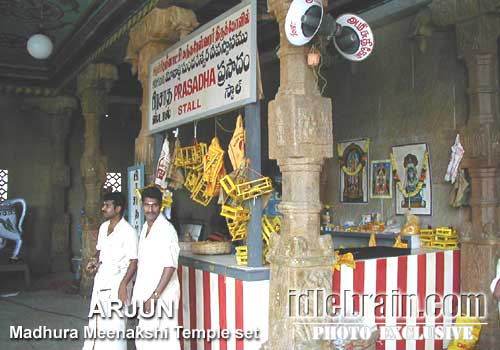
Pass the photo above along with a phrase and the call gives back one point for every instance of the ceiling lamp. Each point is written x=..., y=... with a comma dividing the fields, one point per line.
x=39, y=45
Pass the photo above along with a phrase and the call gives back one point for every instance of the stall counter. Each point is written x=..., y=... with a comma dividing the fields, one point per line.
x=218, y=294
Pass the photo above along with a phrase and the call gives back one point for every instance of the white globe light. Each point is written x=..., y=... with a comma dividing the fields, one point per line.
x=40, y=46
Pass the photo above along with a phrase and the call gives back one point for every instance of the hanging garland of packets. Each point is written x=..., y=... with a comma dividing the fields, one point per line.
x=269, y=225
x=238, y=188
x=361, y=164
x=190, y=158
x=205, y=169
x=421, y=179
x=206, y=175
x=213, y=170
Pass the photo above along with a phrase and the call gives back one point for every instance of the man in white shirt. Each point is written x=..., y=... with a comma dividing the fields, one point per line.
x=157, y=280
x=495, y=287
x=115, y=264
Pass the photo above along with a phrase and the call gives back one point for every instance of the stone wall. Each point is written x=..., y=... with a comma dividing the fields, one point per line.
x=399, y=95
x=25, y=140
x=26, y=153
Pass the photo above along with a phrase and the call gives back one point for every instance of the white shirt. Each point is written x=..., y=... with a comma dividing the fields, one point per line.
x=157, y=250
x=116, y=251
x=494, y=283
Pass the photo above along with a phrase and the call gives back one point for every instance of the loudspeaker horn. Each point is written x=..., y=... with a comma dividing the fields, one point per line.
x=351, y=35
x=297, y=32
x=355, y=40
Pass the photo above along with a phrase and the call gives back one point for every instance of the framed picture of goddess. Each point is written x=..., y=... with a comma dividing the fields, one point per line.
x=412, y=175
x=353, y=159
x=381, y=179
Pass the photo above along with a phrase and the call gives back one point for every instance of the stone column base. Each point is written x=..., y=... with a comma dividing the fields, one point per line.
x=478, y=268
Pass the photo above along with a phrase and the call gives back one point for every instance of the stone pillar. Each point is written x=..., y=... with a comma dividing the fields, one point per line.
x=93, y=85
x=480, y=137
x=58, y=111
x=477, y=28
x=300, y=138
x=157, y=31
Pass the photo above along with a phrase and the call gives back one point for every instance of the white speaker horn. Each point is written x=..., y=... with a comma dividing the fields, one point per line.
x=355, y=41
x=351, y=35
x=297, y=32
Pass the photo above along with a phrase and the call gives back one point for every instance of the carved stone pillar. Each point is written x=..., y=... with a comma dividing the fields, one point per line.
x=300, y=138
x=477, y=44
x=93, y=85
x=477, y=26
x=152, y=35
x=58, y=111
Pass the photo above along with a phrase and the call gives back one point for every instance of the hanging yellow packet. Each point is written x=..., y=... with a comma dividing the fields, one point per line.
x=236, y=148
x=213, y=167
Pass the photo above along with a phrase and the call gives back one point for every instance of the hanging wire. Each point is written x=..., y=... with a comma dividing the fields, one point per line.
x=41, y=13
x=322, y=77
x=215, y=126
x=223, y=128
x=317, y=71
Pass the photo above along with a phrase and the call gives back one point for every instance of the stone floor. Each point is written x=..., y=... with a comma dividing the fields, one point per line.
x=50, y=301
x=31, y=309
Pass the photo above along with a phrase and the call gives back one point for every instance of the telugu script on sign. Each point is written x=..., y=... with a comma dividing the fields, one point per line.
x=209, y=73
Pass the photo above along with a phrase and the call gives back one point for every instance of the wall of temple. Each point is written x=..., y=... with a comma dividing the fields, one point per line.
x=399, y=95
x=26, y=154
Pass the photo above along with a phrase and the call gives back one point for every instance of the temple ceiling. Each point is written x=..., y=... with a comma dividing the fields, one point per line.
x=85, y=31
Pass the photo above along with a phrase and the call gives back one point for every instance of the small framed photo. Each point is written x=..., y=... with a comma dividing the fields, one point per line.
x=381, y=179
x=193, y=228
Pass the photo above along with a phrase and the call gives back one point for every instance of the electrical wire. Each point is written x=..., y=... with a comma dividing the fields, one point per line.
x=223, y=128
x=317, y=72
x=322, y=77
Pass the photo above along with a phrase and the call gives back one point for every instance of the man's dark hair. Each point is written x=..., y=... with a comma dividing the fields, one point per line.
x=118, y=200
x=152, y=192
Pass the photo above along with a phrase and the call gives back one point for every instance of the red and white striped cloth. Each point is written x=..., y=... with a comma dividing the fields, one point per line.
x=422, y=275
x=212, y=301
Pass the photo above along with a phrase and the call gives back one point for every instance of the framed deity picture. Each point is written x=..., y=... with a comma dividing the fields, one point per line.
x=353, y=158
x=412, y=176
x=192, y=227
x=381, y=179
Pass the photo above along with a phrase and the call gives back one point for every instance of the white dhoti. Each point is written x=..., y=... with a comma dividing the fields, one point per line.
x=165, y=337
x=105, y=291
x=157, y=250
x=116, y=249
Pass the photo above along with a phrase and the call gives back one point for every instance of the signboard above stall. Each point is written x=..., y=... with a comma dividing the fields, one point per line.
x=211, y=71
